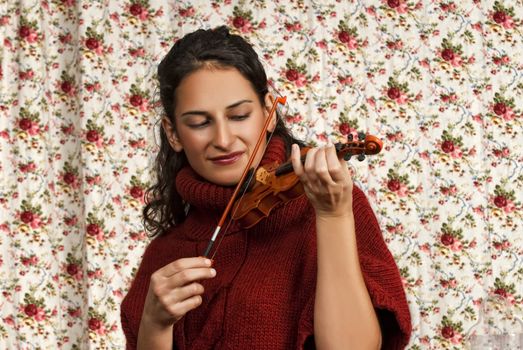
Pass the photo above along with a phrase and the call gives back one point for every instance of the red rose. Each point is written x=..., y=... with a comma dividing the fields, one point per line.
x=500, y=201
x=447, y=146
x=344, y=37
x=136, y=100
x=393, y=93
x=393, y=3
x=24, y=31
x=25, y=124
x=136, y=192
x=501, y=292
x=69, y=178
x=447, y=54
x=292, y=74
x=93, y=229
x=92, y=43
x=344, y=128
x=31, y=310
x=94, y=324
x=72, y=269
x=66, y=86
x=447, y=332
x=500, y=108
x=92, y=136
x=447, y=239
x=238, y=22
x=136, y=9
x=27, y=217
x=499, y=17
x=393, y=185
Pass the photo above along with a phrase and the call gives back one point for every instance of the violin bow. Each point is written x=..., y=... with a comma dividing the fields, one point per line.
x=225, y=213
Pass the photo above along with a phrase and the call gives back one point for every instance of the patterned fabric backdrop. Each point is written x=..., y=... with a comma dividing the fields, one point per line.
x=439, y=81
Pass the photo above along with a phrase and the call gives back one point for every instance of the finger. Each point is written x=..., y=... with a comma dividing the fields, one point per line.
x=184, y=264
x=296, y=160
x=338, y=170
x=322, y=169
x=309, y=165
x=178, y=295
x=188, y=276
x=187, y=291
x=179, y=309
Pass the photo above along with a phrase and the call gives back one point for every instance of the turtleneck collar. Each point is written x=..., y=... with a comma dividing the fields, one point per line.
x=204, y=195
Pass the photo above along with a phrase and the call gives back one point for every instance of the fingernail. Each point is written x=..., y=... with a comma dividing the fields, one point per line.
x=213, y=272
x=208, y=262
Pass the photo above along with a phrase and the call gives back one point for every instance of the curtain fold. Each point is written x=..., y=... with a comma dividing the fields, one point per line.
x=439, y=82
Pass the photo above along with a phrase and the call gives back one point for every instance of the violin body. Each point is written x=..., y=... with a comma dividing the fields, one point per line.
x=269, y=191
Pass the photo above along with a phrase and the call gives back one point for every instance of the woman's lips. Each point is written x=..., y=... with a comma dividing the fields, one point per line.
x=227, y=159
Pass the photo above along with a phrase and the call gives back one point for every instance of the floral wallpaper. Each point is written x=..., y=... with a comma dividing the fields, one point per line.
x=440, y=82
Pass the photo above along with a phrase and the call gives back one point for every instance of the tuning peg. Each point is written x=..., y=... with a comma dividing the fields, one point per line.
x=338, y=146
x=350, y=137
x=347, y=157
x=361, y=136
x=361, y=157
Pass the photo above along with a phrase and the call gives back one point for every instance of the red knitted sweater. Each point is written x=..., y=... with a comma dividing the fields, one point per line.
x=263, y=294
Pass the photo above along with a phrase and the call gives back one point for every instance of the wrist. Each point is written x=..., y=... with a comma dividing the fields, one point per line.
x=152, y=322
x=335, y=216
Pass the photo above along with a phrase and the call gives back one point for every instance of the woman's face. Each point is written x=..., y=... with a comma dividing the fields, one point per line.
x=218, y=119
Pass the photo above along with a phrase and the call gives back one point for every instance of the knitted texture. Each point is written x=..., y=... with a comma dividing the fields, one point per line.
x=263, y=294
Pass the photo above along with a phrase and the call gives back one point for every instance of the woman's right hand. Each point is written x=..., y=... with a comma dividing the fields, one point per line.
x=174, y=290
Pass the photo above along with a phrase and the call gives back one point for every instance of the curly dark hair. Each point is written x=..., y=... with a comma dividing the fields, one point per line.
x=203, y=48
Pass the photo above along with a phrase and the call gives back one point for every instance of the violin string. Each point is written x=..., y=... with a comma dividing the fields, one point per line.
x=249, y=180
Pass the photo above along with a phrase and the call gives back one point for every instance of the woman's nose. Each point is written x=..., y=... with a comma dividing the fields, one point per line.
x=223, y=136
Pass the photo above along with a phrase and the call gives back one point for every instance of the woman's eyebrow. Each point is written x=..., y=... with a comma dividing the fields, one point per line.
x=206, y=114
x=238, y=103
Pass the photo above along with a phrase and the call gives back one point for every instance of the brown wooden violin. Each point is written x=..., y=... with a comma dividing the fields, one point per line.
x=277, y=184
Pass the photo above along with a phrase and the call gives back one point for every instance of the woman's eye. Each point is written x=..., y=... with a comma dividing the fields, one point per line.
x=198, y=125
x=239, y=117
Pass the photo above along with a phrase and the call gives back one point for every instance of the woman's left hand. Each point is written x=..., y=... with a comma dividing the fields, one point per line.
x=326, y=180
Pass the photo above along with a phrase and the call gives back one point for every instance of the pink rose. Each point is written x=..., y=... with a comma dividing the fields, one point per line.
x=135, y=9
x=31, y=310
x=27, y=217
x=238, y=22
x=92, y=43
x=499, y=17
x=344, y=128
x=92, y=136
x=447, y=146
x=393, y=93
x=136, y=192
x=93, y=229
x=447, y=239
x=500, y=201
x=393, y=185
x=447, y=54
x=447, y=332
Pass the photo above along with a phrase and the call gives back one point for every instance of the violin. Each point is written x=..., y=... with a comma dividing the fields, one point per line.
x=277, y=184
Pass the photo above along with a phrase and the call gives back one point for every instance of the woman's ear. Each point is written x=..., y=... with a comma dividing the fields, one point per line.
x=269, y=100
x=174, y=141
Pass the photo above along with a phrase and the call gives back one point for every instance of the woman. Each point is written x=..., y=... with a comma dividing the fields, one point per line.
x=315, y=274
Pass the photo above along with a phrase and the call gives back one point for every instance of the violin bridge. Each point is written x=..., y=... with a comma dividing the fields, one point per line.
x=263, y=176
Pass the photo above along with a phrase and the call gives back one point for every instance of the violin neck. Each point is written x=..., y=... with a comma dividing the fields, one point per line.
x=286, y=168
